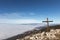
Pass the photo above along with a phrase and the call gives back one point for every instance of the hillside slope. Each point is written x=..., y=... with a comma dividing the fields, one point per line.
x=32, y=32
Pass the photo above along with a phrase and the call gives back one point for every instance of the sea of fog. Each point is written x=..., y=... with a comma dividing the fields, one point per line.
x=9, y=30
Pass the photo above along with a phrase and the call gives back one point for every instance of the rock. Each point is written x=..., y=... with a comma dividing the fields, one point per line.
x=52, y=35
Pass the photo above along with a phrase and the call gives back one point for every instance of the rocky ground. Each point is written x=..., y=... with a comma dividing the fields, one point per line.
x=40, y=34
x=53, y=34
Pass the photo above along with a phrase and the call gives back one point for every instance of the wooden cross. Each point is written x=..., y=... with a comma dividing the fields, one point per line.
x=47, y=21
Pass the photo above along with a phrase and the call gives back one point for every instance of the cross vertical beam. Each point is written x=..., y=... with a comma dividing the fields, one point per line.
x=47, y=21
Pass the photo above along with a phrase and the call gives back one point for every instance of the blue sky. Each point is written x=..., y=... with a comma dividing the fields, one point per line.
x=29, y=11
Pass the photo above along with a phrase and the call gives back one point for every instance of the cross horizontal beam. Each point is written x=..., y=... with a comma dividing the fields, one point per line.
x=47, y=21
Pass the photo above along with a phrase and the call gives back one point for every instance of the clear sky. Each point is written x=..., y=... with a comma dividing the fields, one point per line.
x=29, y=11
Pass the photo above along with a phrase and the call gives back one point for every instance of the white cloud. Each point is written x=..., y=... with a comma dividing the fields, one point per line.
x=32, y=14
x=27, y=21
x=9, y=30
x=18, y=21
x=10, y=15
x=15, y=15
x=16, y=18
